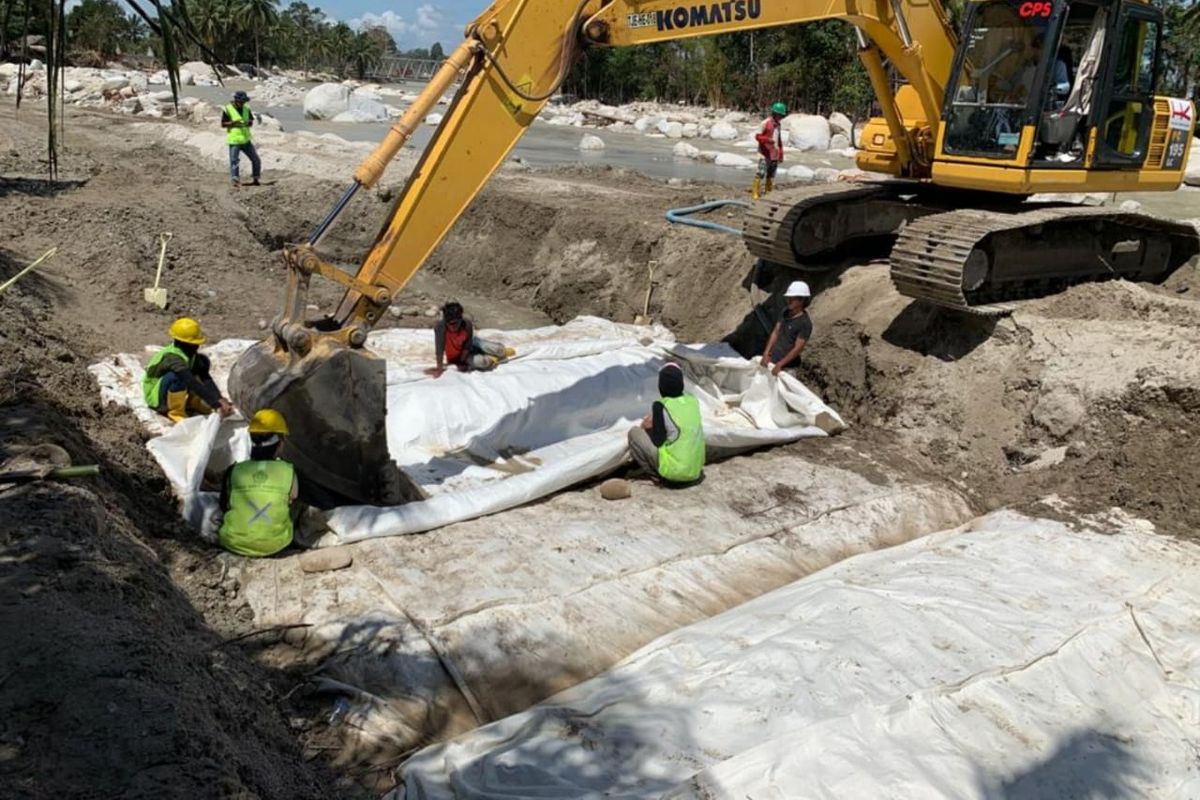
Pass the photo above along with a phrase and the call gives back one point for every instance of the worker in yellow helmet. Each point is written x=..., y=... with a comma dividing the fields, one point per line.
x=258, y=497
x=177, y=383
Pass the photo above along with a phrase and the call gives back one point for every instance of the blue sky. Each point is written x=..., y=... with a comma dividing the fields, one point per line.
x=412, y=23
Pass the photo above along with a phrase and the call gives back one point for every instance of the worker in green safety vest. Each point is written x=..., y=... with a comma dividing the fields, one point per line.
x=669, y=444
x=237, y=119
x=258, y=497
x=177, y=383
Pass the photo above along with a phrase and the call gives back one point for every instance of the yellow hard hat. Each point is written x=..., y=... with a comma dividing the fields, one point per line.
x=268, y=420
x=186, y=329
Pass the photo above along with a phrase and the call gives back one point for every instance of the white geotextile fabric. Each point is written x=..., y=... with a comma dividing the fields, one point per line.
x=478, y=443
x=1010, y=658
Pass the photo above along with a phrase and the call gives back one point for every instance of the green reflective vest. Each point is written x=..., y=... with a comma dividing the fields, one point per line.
x=259, y=520
x=682, y=460
x=238, y=135
x=150, y=385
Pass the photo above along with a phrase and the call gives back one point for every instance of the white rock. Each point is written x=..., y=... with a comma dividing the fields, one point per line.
x=709, y=156
x=590, y=142
x=162, y=97
x=358, y=115
x=35, y=65
x=1192, y=176
x=268, y=123
x=839, y=141
x=368, y=102
x=433, y=119
x=691, y=130
x=826, y=175
x=131, y=106
x=672, y=130
x=187, y=77
x=138, y=80
x=393, y=112
x=199, y=70
x=801, y=173
x=152, y=110
x=685, y=150
x=1131, y=206
x=202, y=111
x=840, y=123
x=114, y=84
x=722, y=132
x=188, y=103
x=807, y=131
x=735, y=116
x=642, y=124
x=326, y=101
x=733, y=160
x=158, y=78
x=850, y=152
x=72, y=85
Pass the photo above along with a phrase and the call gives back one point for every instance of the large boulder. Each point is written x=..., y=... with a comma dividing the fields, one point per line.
x=840, y=123
x=71, y=85
x=685, y=150
x=839, y=141
x=807, y=131
x=590, y=142
x=187, y=77
x=368, y=104
x=733, y=160
x=114, y=84
x=159, y=78
x=643, y=124
x=735, y=116
x=690, y=130
x=826, y=175
x=722, y=132
x=199, y=70
x=672, y=130
x=326, y=101
x=1192, y=176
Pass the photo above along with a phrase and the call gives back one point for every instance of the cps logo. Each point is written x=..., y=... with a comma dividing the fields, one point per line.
x=1035, y=9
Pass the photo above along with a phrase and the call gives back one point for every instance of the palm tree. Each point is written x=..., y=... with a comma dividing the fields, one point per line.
x=364, y=52
x=341, y=45
x=257, y=16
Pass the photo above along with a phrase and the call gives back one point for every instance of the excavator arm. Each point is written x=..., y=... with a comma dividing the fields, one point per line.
x=512, y=60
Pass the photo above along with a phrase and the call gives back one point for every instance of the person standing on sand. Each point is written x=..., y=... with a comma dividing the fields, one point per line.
x=456, y=344
x=237, y=119
x=770, y=148
x=792, y=332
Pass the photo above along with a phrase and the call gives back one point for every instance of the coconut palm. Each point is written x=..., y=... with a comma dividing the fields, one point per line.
x=364, y=51
x=257, y=16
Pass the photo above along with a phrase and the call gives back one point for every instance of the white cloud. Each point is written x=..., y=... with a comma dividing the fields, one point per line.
x=422, y=31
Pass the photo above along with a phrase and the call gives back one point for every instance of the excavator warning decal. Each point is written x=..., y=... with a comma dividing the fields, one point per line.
x=1181, y=115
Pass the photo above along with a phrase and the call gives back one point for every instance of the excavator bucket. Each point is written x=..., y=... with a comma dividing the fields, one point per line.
x=334, y=401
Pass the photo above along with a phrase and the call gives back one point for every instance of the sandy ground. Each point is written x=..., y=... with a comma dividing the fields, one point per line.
x=1092, y=395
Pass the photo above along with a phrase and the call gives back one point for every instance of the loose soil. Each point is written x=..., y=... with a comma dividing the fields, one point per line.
x=116, y=678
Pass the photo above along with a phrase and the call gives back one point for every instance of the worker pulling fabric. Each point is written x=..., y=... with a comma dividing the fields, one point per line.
x=456, y=344
x=177, y=383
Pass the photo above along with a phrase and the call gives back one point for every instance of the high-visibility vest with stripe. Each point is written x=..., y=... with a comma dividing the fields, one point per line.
x=238, y=134
x=151, y=385
x=259, y=520
x=683, y=459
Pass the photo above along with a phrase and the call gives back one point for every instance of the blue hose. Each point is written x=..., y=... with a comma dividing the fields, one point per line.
x=679, y=215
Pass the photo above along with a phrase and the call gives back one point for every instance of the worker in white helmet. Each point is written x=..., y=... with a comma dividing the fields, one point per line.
x=792, y=332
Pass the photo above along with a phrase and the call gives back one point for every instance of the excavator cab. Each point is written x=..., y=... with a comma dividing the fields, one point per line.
x=1056, y=87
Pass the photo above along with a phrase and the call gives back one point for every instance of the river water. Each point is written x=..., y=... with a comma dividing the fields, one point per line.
x=545, y=145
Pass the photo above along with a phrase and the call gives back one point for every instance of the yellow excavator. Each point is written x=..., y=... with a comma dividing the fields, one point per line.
x=1038, y=96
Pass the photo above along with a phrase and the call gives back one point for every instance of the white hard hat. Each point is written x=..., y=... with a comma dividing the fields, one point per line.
x=797, y=289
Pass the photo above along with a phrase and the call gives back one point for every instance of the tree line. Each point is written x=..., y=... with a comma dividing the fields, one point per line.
x=256, y=32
